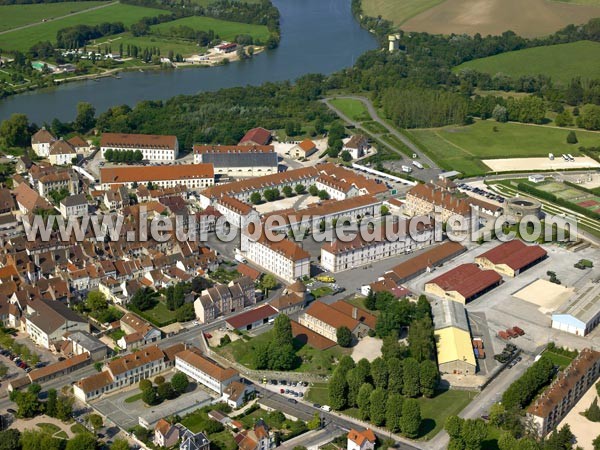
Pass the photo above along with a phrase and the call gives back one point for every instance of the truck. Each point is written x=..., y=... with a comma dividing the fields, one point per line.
x=240, y=258
x=503, y=335
x=481, y=354
x=417, y=164
x=519, y=331
x=406, y=169
x=512, y=333
x=551, y=156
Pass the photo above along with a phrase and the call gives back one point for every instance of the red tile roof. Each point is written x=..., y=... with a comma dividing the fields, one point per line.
x=206, y=365
x=249, y=317
x=138, y=174
x=248, y=271
x=440, y=197
x=363, y=316
x=258, y=136
x=467, y=279
x=307, y=145
x=307, y=336
x=359, y=437
x=138, y=141
x=201, y=149
x=235, y=205
x=331, y=316
x=515, y=254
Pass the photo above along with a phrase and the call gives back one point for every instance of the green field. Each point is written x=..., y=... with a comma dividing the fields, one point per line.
x=224, y=29
x=14, y=16
x=353, y=109
x=318, y=393
x=23, y=39
x=561, y=62
x=185, y=48
x=160, y=315
x=570, y=194
x=398, y=11
x=462, y=147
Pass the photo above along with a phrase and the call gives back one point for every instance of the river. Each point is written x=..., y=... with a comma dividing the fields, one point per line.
x=317, y=36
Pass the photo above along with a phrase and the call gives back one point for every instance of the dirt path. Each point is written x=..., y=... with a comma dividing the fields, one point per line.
x=35, y=24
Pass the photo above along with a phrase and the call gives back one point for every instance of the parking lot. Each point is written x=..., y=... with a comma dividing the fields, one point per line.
x=288, y=388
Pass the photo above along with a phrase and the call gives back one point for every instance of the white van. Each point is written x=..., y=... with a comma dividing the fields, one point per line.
x=326, y=408
x=406, y=169
x=240, y=258
x=417, y=164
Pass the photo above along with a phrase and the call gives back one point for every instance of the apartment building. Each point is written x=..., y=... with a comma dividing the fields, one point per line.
x=74, y=206
x=48, y=320
x=205, y=371
x=336, y=188
x=221, y=299
x=283, y=258
x=424, y=199
x=338, y=256
x=236, y=212
x=240, y=161
x=192, y=176
x=556, y=401
x=56, y=181
x=326, y=319
x=153, y=147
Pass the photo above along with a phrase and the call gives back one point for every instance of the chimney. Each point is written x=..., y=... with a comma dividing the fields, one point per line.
x=355, y=313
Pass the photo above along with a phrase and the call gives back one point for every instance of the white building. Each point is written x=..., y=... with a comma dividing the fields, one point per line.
x=192, y=176
x=41, y=141
x=338, y=256
x=204, y=371
x=361, y=440
x=62, y=153
x=74, y=206
x=536, y=178
x=581, y=313
x=236, y=212
x=284, y=258
x=338, y=189
x=153, y=147
x=47, y=321
x=356, y=146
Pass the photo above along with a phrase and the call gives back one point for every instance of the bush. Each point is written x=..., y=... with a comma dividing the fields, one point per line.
x=572, y=138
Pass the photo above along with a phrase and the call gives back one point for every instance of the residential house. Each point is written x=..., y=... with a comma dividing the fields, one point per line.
x=41, y=141
x=165, y=434
x=258, y=438
x=74, y=206
x=193, y=441
x=356, y=146
x=138, y=332
x=221, y=299
x=62, y=153
x=47, y=321
x=237, y=393
x=361, y=440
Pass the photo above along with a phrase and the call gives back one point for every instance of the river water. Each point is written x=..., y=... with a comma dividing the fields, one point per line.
x=318, y=36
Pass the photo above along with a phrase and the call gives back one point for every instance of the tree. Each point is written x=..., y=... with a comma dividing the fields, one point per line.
x=83, y=441
x=271, y=195
x=596, y=443
x=64, y=408
x=185, y=313
x=473, y=433
x=96, y=301
x=395, y=375
x=393, y=412
x=411, y=377
x=421, y=341
x=180, y=382
x=86, y=117
x=593, y=412
x=145, y=384
x=165, y=391
x=95, y=421
x=287, y=191
x=159, y=380
x=564, y=119
x=453, y=426
x=120, y=444
x=14, y=131
x=51, y=402
x=589, y=117
x=500, y=114
x=315, y=422
x=323, y=195
x=313, y=190
x=363, y=400
x=268, y=282
x=355, y=380
x=379, y=373
x=428, y=377
x=150, y=397
x=39, y=440
x=384, y=211
x=144, y=299
x=255, y=198
x=344, y=336
x=377, y=410
x=282, y=331
x=346, y=156
x=10, y=439
x=282, y=357
x=300, y=189
x=572, y=138
x=338, y=391
x=411, y=418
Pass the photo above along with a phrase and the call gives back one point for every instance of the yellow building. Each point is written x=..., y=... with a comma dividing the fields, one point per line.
x=453, y=338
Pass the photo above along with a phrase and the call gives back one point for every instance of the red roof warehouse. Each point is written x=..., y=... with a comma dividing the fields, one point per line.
x=511, y=258
x=256, y=136
x=463, y=283
x=253, y=318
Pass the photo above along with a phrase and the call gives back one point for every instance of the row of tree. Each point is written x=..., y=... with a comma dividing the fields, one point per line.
x=153, y=394
x=32, y=439
x=123, y=155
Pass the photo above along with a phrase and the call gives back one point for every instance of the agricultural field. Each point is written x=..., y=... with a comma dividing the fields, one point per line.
x=226, y=30
x=164, y=44
x=24, y=38
x=462, y=148
x=398, y=11
x=14, y=16
x=562, y=62
x=538, y=18
x=353, y=109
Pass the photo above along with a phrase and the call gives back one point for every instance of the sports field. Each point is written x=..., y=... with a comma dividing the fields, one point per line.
x=24, y=38
x=398, y=11
x=531, y=18
x=463, y=148
x=571, y=194
x=561, y=62
x=14, y=16
x=226, y=30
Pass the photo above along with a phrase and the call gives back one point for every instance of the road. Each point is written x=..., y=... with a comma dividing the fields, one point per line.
x=35, y=24
x=425, y=174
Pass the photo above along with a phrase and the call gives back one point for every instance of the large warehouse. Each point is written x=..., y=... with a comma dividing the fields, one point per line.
x=511, y=258
x=581, y=313
x=463, y=283
x=453, y=338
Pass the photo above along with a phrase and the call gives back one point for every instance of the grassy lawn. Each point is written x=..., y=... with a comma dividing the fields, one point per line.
x=354, y=109
x=311, y=360
x=163, y=43
x=134, y=398
x=223, y=440
x=561, y=62
x=78, y=429
x=61, y=435
x=398, y=11
x=322, y=291
x=48, y=427
x=374, y=127
x=14, y=16
x=462, y=147
x=434, y=411
x=25, y=38
x=318, y=393
x=560, y=360
x=226, y=30
x=160, y=315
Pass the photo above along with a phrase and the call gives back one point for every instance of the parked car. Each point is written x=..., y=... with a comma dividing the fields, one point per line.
x=282, y=391
x=316, y=405
x=292, y=400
